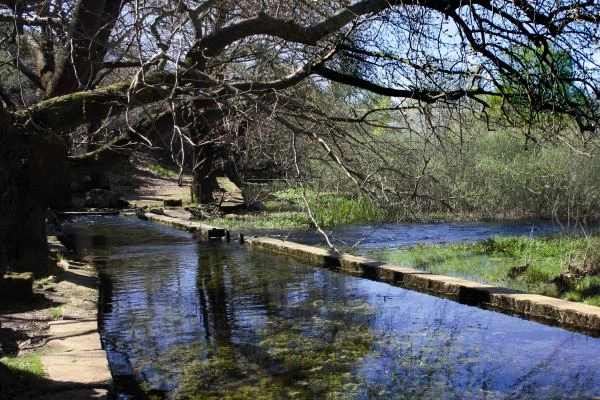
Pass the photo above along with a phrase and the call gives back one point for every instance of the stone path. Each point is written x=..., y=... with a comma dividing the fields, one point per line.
x=76, y=364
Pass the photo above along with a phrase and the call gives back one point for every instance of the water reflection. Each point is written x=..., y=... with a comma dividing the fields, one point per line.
x=217, y=321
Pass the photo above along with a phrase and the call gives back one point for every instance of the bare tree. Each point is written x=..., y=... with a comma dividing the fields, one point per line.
x=196, y=76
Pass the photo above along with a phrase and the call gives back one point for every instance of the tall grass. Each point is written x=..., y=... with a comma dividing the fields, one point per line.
x=331, y=210
x=492, y=260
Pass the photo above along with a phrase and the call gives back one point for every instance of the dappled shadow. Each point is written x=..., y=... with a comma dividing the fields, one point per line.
x=9, y=341
x=37, y=302
x=17, y=385
x=87, y=281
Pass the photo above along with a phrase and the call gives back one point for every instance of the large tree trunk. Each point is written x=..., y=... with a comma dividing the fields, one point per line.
x=205, y=179
x=33, y=169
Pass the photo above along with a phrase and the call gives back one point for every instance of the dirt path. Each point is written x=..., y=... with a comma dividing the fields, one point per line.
x=141, y=184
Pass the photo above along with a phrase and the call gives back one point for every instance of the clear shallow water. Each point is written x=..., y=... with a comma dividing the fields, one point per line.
x=215, y=320
x=370, y=237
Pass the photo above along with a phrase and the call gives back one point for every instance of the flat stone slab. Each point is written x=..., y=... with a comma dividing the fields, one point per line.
x=70, y=312
x=74, y=335
x=81, y=367
x=572, y=315
x=77, y=366
x=82, y=394
x=182, y=224
x=178, y=213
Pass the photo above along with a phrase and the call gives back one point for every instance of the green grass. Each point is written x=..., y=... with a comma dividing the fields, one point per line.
x=491, y=261
x=30, y=363
x=333, y=210
x=287, y=208
x=268, y=220
x=45, y=283
x=56, y=312
x=162, y=171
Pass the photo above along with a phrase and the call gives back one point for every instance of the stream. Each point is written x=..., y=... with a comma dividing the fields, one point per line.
x=191, y=319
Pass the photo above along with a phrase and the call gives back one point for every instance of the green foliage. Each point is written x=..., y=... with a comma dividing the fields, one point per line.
x=543, y=81
x=498, y=175
x=270, y=220
x=308, y=360
x=328, y=210
x=56, y=312
x=162, y=171
x=492, y=260
x=30, y=363
x=332, y=210
x=47, y=283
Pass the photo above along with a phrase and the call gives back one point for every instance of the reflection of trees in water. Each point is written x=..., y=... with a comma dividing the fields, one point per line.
x=305, y=339
x=272, y=328
x=441, y=362
x=217, y=310
x=318, y=340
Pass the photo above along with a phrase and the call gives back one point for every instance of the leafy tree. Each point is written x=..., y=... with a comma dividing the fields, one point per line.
x=232, y=80
x=545, y=87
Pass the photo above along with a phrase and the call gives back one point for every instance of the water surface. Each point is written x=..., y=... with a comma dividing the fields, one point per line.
x=216, y=320
x=370, y=237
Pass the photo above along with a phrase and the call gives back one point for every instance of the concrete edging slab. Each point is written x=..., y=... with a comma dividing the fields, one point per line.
x=549, y=310
x=178, y=223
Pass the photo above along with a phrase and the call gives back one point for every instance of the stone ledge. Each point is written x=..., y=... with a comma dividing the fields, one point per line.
x=549, y=310
x=207, y=231
x=77, y=365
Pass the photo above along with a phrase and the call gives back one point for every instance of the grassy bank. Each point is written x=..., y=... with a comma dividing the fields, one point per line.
x=286, y=208
x=565, y=267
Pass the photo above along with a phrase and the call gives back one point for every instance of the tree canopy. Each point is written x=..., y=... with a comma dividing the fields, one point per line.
x=228, y=79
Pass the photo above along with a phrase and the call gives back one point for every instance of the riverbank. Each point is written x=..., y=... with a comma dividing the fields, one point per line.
x=51, y=347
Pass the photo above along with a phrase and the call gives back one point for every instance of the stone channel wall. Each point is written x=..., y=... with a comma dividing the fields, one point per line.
x=576, y=316
x=549, y=310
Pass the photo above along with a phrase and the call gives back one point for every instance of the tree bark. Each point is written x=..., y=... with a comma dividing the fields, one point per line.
x=90, y=30
x=205, y=178
x=31, y=179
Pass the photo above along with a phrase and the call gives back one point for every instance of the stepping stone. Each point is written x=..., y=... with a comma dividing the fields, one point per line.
x=178, y=213
x=74, y=313
x=74, y=335
x=81, y=367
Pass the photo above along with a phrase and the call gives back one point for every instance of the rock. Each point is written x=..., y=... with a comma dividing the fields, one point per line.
x=157, y=211
x=195, y=212
x=76, y=394
x=100, y=198
x=52, y=223
x=77, y=202
x=178, y=213
x=255, y=205
x=518, y=270
x=172, y=202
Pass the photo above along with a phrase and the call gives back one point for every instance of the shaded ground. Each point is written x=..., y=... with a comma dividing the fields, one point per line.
x=35, y=334
x=145, y=183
